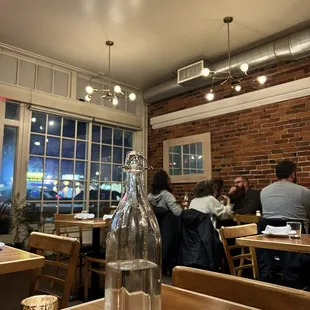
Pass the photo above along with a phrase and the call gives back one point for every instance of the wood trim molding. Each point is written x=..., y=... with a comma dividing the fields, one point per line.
x=278, y=93
x=205, y=138
x=66, y=105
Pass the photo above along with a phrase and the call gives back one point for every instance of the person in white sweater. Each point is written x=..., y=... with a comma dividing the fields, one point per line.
x=206, y=203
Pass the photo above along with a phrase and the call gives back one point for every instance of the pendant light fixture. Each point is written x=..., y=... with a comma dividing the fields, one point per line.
x=107, y=94
x=227, y=76
x=210, y=95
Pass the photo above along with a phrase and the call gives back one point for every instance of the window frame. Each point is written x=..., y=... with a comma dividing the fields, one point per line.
x=17, y=185
x=86, y=201
x=205, y=139
x=98, y=203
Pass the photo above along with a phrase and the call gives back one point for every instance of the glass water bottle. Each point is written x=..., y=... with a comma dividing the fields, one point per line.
x=133, y=251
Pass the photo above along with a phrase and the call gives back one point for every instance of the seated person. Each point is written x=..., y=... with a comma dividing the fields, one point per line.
x=285, y=199
x=161, y=196
x=246, y=200
x=167, y=212
x=205, y=202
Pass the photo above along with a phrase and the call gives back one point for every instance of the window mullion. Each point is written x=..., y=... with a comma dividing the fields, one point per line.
x=88, y=164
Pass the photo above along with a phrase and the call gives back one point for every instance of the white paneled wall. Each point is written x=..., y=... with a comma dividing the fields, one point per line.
x=21, y=72
x=27, y=74
x=53, y=79
x=8, y=69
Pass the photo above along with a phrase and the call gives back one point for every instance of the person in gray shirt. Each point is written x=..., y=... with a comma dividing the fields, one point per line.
x=161, y=196
x=285, y=199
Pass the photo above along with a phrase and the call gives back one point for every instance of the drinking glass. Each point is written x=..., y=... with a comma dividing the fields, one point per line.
x=294, y=230
x=40, y=302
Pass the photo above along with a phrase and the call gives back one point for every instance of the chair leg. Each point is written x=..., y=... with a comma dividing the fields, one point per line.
x=254, y=262
x=241, y=263
x=86, y=280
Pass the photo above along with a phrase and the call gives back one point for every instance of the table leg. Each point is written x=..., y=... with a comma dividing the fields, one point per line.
x=95, y=277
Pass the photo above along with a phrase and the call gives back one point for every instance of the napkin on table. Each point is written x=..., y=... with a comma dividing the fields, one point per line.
x=283, y=230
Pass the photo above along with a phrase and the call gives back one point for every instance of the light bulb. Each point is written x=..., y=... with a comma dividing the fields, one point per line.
x=237, y=87
x=89, y=90
x=51, y=123
x=244, y=67
x=117, y=89
x=37, y=143
x=33, y=119
x=115, y=101
x=88, y=98
x=205, y=71
x=262, y=79
x=132, y=96
x=210, y=95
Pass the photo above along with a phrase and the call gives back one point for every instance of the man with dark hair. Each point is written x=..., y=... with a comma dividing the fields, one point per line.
x=246, y=200
x=285, y=199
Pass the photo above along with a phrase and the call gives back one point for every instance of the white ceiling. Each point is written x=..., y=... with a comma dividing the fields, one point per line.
x=152, y=38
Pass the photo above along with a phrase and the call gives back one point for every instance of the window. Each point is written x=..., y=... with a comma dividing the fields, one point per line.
x=73, y=165
x=9, y=156
x=108, y=150
x=57, y=166
x=7, y=175
x=11, y=110
x=188, y=159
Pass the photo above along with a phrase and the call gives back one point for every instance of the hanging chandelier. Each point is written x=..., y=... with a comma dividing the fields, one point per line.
x=227, y=76
x=107, y=94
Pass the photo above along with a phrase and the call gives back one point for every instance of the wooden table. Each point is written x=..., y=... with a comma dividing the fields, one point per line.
x=277, y=243
x=14, y=260
x=174, y=298
x=96, y=224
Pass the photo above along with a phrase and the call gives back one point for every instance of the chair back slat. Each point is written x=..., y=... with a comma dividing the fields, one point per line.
x=38, y=243
x=56, y=264
x=51, y=279
x=234, y=232
x=58, y=244
x=246, y=219
x=239, y=231
x=248, y=292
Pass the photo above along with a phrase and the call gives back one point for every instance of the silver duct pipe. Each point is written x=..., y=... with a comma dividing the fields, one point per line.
x=293, y=47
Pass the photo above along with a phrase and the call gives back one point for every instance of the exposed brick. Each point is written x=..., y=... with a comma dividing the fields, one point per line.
x=252, y=141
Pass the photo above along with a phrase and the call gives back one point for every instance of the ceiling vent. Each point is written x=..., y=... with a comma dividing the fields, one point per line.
x=293, y=47
x=188, y=76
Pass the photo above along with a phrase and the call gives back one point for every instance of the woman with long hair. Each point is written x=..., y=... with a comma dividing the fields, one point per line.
x=161, y=196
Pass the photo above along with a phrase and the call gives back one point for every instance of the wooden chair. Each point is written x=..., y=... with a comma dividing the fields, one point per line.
x=73, y=232
x=249, y=292
x=64, y=230
x=234, y=232
x=246, y=218
x=38, y=243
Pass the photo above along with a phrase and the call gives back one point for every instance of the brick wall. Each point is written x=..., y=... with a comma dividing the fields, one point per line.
x=248, y=142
